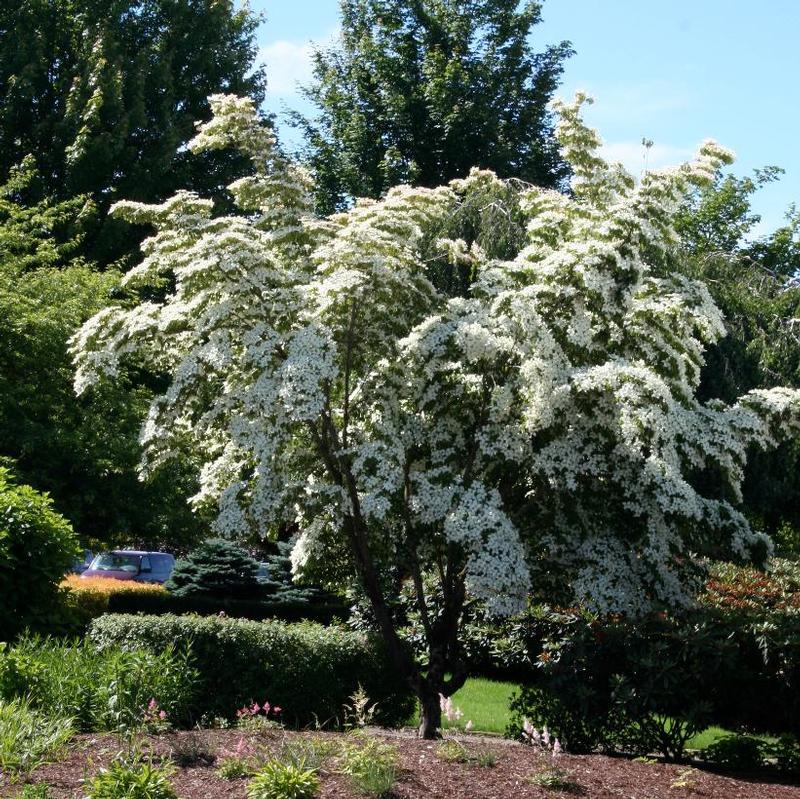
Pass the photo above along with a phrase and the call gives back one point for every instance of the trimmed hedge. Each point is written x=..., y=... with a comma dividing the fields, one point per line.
x=256, y=610
x=310, y=671
x=85, y=599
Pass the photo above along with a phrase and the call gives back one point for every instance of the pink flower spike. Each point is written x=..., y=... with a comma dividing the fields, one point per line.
x=254, y=708
x=276, y=710
x=265, y=707
x=152, y=704
x=545, y=736
x=162, y=715
x=557, y=748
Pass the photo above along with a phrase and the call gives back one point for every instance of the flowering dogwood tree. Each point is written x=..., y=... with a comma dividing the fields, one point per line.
x=547, y=413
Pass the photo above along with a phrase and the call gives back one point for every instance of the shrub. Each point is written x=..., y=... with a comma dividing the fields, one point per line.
x=737, y=752
x=306, y=669
x=217, y=568
x=278, y=780
x=29, y=582
x=99, y=689
x=786, y=752
x=28, y=737
x=137, y=780
x=637, y=686
x=86, y=598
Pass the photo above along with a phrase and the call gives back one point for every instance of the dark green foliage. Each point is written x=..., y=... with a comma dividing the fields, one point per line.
x=748, y=281
x=736, y=752
x=323, y=612
x=217, y=568
x=104, y=92
x=421, y=92
x=786, y=752
x=648, y=685
x=37, y=547
x=83, y=452
x=280, y=584
x=99, y=690
x=308, y=670
x=635, y=687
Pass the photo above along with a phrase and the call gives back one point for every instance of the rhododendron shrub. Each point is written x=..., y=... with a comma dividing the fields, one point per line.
x=546, y=415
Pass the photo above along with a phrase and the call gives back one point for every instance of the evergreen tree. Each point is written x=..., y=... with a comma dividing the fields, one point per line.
x=419, y=92
x=217, y=568
x=279, y=583
x=105, y=92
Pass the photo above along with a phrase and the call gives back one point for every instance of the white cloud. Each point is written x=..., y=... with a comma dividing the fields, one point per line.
x=635, y=157
x=288, y=64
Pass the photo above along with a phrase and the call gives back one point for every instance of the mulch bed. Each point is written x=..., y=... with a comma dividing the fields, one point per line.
x=423, y=774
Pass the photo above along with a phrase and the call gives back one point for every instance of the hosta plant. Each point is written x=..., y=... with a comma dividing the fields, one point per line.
x=473, y=384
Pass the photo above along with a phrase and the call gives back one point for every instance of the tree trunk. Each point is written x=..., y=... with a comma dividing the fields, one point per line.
x=430, y=715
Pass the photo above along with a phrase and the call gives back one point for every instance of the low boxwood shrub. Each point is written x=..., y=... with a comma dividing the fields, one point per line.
x=99, y=689
x=736, y=752
x=161, y=603
x=306, y=669
x=86, y=598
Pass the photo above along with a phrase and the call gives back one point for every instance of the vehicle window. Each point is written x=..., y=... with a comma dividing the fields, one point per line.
x=116, y=562
x=162, y=563
x=146, y=564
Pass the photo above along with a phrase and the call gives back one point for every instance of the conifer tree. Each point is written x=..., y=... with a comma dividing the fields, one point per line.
x=217, y=568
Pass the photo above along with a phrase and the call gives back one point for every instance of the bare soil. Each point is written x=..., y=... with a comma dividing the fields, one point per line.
x=423, y=774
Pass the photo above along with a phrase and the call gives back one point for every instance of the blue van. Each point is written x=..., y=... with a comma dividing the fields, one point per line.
x=132, y=564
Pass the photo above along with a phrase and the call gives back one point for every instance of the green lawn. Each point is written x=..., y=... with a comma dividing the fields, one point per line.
x=485, y=703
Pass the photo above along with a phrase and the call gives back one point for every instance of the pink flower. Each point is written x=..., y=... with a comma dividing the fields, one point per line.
x=557, y=748
x=152, y=705
x=254, y=708
x=276, y=710
x=545, y=736
x=265, y=707
x=162, y=715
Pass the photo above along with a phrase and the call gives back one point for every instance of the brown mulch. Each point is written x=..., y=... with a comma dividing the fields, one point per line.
x=423, y=774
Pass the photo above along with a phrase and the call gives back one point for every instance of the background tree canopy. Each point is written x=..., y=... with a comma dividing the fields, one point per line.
x=420, y=92
x=750, y=280
x=84, y=452
x=105, y=92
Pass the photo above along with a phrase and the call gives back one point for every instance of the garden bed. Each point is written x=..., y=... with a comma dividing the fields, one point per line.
x=422, y=773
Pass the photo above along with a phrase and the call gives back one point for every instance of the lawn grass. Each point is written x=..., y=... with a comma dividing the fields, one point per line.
x=485, y=703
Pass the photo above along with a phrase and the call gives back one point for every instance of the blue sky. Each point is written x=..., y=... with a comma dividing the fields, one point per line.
x=674, y=71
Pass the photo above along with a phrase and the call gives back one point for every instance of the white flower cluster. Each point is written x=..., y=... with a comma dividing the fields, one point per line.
x=323, y=378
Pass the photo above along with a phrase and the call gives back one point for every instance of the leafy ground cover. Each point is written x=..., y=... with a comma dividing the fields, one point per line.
x=489, y=768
